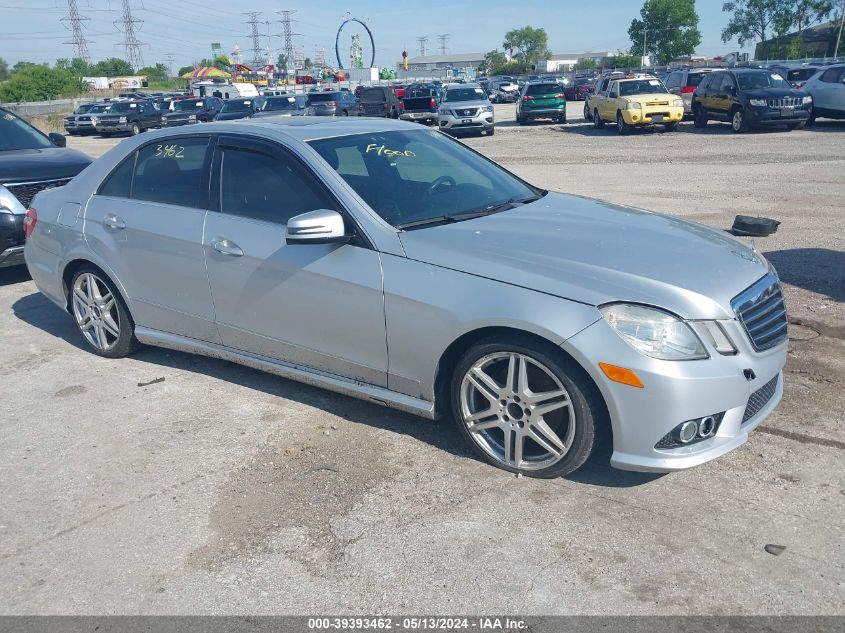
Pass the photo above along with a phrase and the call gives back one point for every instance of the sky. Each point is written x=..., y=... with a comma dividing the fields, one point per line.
x=184, y=29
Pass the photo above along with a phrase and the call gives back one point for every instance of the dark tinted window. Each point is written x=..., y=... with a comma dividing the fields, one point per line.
x=673, y=80
x=119, y=182
x=760, y=80
x=727, y=83
x=694, y=79
x=268, y=186
x=323, y=97
x=799, y=74
x=16, y=133
x=172, y=172
x=543, y=89
x=373, y=94
x=831, y=75
x=280, y=103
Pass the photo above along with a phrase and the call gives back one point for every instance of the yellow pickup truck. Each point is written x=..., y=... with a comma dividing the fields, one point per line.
x=636, y=101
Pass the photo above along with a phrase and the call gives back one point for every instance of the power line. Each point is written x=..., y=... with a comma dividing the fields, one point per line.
x=80, y=44
x=255, y=36
x=422, y=41
x=444, y=42
x=131, y=45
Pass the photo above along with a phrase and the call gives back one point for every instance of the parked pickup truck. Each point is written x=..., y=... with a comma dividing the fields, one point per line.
x=636, y=101
x=128, y=117
x=380, y=101
x=420, y=104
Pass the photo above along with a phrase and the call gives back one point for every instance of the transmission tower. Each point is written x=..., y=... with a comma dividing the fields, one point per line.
x=256, y=38
x=131, y=44
x=444, y=43
x=80, y=44
x=319, y=57
x=288, y=35
x=422, y=41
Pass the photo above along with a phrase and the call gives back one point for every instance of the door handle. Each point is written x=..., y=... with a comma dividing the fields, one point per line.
x=114, y=222
x=227, y=247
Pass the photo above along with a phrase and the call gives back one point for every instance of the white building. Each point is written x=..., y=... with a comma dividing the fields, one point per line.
x=567, y=61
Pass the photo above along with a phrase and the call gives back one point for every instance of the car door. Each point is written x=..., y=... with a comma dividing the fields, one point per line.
x=151, y=116
x=145, y=223
x=608, y=102
x=721, y=97
x=827, y=87
x=316, y=305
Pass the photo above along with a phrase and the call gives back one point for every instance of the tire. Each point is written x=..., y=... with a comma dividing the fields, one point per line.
x=671, y=127
x=562, y=119
x=520, y=119
x=491, y=131
x=797, y=126
x=623, y=128
x=738, y=123
x=699, y=119
x=812, y=119
x=101, y=315
x=570, y=431
x=135, y=130
x=588, y=116
x=598, y=122
x=346, y=113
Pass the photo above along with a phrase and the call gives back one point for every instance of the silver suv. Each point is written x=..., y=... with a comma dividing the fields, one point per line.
x=827, y=88
x=684, y=82
x=465, y=108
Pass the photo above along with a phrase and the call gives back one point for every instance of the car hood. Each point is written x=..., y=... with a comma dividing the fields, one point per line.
x=231, y=116
x=592, y=252
x=52, y=163
x=774, y=93
x=463, y=105
x=180, y=115
x=651, y=96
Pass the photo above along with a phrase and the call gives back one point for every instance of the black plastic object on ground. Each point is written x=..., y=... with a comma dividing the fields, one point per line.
x=755, y=227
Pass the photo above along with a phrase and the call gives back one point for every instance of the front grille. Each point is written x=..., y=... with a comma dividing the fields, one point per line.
x=657, y=103
x=26, y=191
x=107, y=123
x=467, y=113
x=763, y=313
x=760, y=399
x=786, y=102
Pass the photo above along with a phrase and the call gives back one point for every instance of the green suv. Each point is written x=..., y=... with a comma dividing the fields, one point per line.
x=541, y=100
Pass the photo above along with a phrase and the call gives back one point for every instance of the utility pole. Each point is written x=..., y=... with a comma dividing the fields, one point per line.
x=422, y=41
x=839, y=37
x=288, y=34
x=170, y=59
x=80, y=44
x=645, y=39
x=255, y=36
x=131, y=45
x=444, y=42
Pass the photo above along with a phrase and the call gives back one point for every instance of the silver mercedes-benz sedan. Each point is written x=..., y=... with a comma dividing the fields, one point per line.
x=392, y=263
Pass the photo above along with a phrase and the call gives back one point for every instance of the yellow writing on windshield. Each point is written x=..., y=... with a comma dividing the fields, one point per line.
x=383, y=151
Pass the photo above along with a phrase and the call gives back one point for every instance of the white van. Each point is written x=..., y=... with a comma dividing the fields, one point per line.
x=225, y=91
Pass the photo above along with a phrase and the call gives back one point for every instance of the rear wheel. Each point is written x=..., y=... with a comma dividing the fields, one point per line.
x=101, y=315
x=699, y=119
x=738, y=122
x=562, y=119
x=525, y=408
x=587, y=114
x=520, y=119
x=622, y=127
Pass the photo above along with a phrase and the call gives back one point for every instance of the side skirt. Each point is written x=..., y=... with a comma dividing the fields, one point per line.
x=314, y=377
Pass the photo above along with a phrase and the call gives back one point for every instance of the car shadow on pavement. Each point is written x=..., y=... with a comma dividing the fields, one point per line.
x=819, y=270
x=39, y=312
x=14, y=275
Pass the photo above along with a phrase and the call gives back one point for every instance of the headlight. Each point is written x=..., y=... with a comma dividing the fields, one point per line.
x=808, y=100
x=758, y=103
x=635, y=105
x=192, y=117
x=653, y=332
x=488, y=108
x=122, y=119
x=679, y=103
x=93, y=120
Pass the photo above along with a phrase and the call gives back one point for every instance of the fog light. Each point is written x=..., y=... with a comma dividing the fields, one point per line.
x=687, y=432
x=707, y=427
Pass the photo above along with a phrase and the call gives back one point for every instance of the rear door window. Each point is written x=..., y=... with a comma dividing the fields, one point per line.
x=831, y=75
x=694, y=79
x=173, y=171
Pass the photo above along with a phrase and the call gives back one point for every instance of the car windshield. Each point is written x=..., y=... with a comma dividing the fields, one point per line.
x=583, y=82
x=542, y=89
x=641, y=87
x=236, y=106
x=756, y=81
x=280, y=103
x=97, y=109
x=421, y=176
x=323, y=97
x=464, y=94
x=17, y=134
x=84, y=108
x=185, y=105
x=124, y=106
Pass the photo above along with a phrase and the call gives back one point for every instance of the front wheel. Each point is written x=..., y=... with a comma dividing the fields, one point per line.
x=525, y=408
x=699, y=119
x=797, y=126
x=738, y=122
x=135, y=130
x=101, y=315
x=670, y=127
x=622, y=127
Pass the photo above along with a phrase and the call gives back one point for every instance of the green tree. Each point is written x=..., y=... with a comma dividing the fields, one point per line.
x=112, y=67
x=184, y=70
x=282, y=61
x=621, y=60
x=668, y=28
x=157, y=73
x=4, y=69
x=76, y=66
x=806, y=13
x=221, y=61
x=528, y=46
x=307, y=63
x=493, y=62
x=586, y=64
x=41, y=83
x=753, y=20
x=23, y=66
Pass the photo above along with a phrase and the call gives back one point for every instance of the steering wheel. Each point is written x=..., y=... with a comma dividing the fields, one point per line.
x=442, y=180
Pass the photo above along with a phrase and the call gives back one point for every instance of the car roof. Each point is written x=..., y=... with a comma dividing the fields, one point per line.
x=465, y=85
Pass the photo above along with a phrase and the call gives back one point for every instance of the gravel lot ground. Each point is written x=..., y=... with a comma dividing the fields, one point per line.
x=224, y=490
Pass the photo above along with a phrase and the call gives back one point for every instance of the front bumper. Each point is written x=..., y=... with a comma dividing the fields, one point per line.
x=177, y=122
x=656, y=115
x=675, y=392
x=11, y=239
x=482, y=122
x=419, y=117
x=776, y=116
x=119, y=128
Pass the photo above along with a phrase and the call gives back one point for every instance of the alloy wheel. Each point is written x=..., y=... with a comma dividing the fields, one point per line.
x=738, y=122
x=95, y=310
x=517, y=411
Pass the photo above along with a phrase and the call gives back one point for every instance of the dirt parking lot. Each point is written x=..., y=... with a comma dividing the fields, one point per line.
x=168, y=483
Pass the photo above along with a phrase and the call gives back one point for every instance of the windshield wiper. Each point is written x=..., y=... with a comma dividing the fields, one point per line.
x=470, y=215
x=438, y=219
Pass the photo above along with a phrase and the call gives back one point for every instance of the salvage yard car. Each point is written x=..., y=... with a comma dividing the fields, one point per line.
x=29, y=162
x=637, y=101
x=190, y=111
x=390, y=262
x=465, y=108
x=128, y=117
x=541, y=100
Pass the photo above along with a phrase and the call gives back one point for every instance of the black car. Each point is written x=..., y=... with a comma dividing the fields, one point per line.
x=749, y=98
x=186, y=111
x=29, y=162
x=379, y=101
x=291, y=105
x=71, y=122
x=128, y=117
x=239, y=108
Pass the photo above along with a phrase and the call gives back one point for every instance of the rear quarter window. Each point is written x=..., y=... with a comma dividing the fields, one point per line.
x=373, y=94
x=695, y=79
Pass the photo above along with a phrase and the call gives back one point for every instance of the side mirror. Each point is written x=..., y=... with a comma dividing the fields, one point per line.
x=317, y=227
x=57, y=139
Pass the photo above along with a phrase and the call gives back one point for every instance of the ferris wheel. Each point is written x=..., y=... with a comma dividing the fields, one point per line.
x=358, y=51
